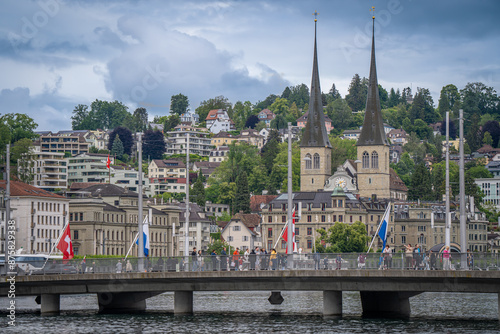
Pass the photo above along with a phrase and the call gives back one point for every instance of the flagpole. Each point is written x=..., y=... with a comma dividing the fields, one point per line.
x=378, y=228
x=132, y=245
x=54, y=245
x=281, y=234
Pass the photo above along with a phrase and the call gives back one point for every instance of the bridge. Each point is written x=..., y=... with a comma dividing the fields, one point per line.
x=384, y=293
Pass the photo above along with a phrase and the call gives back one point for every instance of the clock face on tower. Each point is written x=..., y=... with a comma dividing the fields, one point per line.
x=341, y=182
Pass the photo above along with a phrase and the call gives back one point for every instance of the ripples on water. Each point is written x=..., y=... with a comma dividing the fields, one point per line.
x=250, y=312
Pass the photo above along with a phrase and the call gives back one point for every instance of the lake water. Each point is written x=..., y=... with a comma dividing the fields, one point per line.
x=250, y=312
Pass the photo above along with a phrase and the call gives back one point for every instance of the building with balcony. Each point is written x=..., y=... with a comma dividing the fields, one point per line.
x=49, y=171
x=72, y=142
x=199, y=141
x=219, y=154
x=89, y=167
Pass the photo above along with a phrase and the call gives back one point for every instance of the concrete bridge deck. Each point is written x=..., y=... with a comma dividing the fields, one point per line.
x=383, y=292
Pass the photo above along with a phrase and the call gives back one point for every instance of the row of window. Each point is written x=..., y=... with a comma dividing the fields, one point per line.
x=48, y=220
x=366, y=160
x=53, y=207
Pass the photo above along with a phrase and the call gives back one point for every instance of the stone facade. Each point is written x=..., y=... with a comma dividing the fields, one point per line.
x=373, y=171
x=315, y=167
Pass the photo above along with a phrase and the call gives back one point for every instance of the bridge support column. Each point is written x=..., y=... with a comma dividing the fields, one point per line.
x=50, y=304
x=499, y=306
x=332, y=303
x=183, y=302
x=117, y=302
x=386, y=304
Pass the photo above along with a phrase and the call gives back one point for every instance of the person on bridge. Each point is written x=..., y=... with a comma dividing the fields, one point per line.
x=235, y=263
x=409, y=256
x=274, y=260
x=223, y=259
x=387, y=257
x=446, y=258
x=470, y=260
x=201, y=261
x=338, y=260
x=194, y=260
x=258, y=258
x=317, y=260
x=432, y=260
x=119, y=267
x=252, y=259
x=214, y=260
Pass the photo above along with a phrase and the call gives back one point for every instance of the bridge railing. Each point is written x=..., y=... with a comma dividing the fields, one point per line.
x=309, y=261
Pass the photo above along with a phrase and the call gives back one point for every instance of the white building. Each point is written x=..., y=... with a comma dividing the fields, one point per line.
x=199, y=141
x=39, y=216
x=242, y=231
x=218, y=120
x=49, y=169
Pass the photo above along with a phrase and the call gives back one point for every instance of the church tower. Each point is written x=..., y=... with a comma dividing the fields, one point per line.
x=372, y=146
x=315, y=148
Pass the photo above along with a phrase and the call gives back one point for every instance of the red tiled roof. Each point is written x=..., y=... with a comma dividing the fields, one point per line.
x=257, y=200
x=22, y=189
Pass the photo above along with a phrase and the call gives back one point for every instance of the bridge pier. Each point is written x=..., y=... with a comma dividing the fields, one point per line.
x=498, y=306
x=50, y=304
x=183, y=302
x=332, y=303
x=117, y=302
x=386, y=304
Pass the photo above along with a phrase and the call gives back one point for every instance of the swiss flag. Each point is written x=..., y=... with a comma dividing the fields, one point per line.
x=65, y=245
x=108, y=163
x=285, y=234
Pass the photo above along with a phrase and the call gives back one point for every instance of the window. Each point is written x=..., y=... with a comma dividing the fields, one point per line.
x=283, y=219
x=229, y=238
x=374, y=159
x=309, y=218
x=297, y=231
x=269, y=244
x=309, y=231
x=269, y=219
x=403, y=228
x=323, y=206
x=316, y=161
x=350, y=219
x=237, y=228
x=334, y=218
x=323, y=218
x=245, y=238
x=341, y=218
x=366, y=160
x=270, y=232
x=75, y=234
x=308, y=160
x=283, y=244
x=81, y=216
x=341, y=204
x=403, y=239
x=309, y=244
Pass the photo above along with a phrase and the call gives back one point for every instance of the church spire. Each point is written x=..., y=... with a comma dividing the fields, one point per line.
x=373, y=126
x=315, y=134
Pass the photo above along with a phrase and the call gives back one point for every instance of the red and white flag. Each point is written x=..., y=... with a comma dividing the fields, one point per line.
x=108, y=163
x=285, y=234
x=65, y=245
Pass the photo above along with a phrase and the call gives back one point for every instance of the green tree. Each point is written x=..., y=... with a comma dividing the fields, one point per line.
x=153, y=146
x=242, y=196
x=341, y=115
x=421, y=187
x=342, y=149
x=422, y=107
x=117, y=149
x=108, y=115
x=22, y=156
x=125, y=137
x=343, y=238
x=258, y=180
x=140, y=119
x=179, y=104
x=279, y=172
x=479, y=98
x=171, y=122
x=83, y=118
x=266, y=103
x=270, y=150
x=474, y=133
x=394, y=98
x=280, y=107
x=487, y=139
x=299, y=95
x=227, y=191
x=20, y=126
x=198, y=193
x=493, y=127
x=218, y=246
x=356, y=98
x=447, y=99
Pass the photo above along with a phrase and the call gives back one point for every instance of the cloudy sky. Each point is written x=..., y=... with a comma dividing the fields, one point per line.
x=56, y=54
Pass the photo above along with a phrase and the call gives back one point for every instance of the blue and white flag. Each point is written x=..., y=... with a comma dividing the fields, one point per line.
x=145, y=233
x=384, y=225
